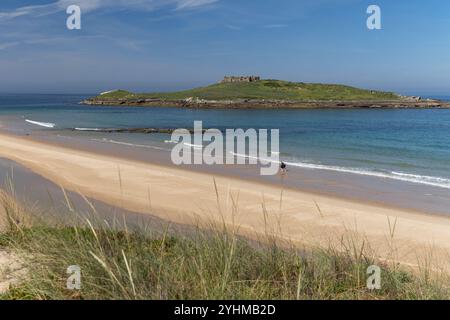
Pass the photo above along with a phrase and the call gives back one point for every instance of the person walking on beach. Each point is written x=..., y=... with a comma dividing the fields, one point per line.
x=283, y=169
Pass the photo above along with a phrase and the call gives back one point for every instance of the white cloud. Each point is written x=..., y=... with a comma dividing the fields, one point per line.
x=7, y=45
x=185, y=4
x=57, y=6
x=86, y=5
x=92, y=5
x=27, y=10
x=275, y=26
x=233, y=27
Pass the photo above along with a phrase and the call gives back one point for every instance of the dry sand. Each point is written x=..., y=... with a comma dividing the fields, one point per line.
x=184, y=196
x=12, y=269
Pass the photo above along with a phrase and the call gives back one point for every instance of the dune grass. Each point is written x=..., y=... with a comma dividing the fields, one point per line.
x=204, y=263
x=264, y=89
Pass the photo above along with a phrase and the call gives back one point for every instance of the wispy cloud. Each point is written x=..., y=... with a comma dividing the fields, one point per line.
x=47, y=9
x=7, y=45
x=38, y=10
x=92, y=5
x=276, y=26
x=233, y=27
x=186, y=4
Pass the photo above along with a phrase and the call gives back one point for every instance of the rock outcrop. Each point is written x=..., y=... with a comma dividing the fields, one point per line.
x=268, y=104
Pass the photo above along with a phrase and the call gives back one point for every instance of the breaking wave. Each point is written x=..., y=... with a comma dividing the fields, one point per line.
x=41, y=124
x=393, y=175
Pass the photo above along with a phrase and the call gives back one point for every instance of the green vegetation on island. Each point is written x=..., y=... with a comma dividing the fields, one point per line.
x=263, y=90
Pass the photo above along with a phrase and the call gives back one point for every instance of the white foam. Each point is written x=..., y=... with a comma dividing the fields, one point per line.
x=128, y=144
x=196, y=146
x=88, y=129
x=42, y=124
x=394, y=175
x=399, y=176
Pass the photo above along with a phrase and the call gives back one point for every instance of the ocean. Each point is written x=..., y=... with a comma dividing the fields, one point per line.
x=404, y=144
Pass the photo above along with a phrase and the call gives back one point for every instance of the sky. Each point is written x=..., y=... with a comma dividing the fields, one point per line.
x=163, y=45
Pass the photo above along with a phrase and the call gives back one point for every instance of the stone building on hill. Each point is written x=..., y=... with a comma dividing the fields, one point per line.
x=233, y=79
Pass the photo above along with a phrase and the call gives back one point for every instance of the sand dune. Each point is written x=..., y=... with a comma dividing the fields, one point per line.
x=184, y=196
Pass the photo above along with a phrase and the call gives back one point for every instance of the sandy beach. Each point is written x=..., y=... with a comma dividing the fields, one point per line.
x=187, y=197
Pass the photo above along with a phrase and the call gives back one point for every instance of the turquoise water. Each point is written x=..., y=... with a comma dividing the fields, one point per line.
x=406, y=145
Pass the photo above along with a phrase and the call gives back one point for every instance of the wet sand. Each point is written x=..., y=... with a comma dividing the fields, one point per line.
x=366, y=189
x=356, y=187
x=48, y=200
x=189, y=197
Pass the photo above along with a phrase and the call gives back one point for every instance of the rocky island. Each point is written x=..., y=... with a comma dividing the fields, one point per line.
x=252, y=92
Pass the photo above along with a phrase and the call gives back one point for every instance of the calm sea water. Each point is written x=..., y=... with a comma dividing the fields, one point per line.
x=407, y=145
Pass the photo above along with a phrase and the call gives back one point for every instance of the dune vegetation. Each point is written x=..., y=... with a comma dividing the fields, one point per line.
x=206, y=262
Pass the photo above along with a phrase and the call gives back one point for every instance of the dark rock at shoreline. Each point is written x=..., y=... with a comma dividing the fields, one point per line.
x=269, y=104
x=136, y=130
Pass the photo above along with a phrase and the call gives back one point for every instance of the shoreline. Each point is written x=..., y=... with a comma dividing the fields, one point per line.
x=360, y=188
x=48, y=200
x=268, y=104
x=184, y=196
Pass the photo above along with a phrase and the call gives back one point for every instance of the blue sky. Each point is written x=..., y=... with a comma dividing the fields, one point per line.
x=152, y=45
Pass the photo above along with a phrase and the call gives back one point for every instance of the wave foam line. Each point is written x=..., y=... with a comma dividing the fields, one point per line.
x=128, y=144
x=399, y=176
x=196, y=146
x=87, y=129
x=42, y=124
